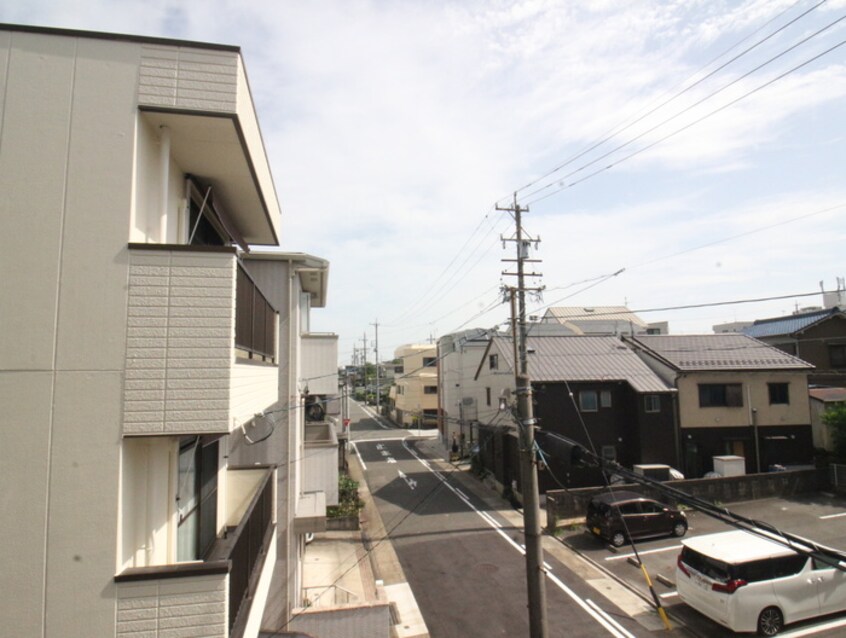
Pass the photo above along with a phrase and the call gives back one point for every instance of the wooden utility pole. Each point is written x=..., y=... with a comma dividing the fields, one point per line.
x=535, y=573
x=378, y=386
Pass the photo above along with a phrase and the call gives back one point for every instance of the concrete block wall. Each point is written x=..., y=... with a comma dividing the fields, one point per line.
x=180, y=342
x=174, y=607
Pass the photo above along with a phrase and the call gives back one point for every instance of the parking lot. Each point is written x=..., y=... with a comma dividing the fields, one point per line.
x=819, y=517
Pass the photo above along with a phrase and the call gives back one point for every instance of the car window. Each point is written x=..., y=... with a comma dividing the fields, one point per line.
x=710, y=567
x=754, y=571
x=823, y=564
x=788, y=565
x=651, y=507
x=630, y=508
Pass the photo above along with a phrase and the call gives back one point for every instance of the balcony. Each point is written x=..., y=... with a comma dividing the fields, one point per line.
x=198, y=593
x=201, y=342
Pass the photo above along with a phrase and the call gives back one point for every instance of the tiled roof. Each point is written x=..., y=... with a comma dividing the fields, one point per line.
x=788, y=325
x=584, y=358
x=828, y=394
x=720, y=352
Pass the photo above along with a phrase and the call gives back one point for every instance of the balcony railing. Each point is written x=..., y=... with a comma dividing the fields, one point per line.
x=255, y=319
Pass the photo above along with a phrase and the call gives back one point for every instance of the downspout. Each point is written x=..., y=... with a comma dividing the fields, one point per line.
x=753, y=421
x=164, y=162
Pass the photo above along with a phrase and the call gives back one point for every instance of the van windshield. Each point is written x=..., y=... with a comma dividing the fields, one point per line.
x=750, y=571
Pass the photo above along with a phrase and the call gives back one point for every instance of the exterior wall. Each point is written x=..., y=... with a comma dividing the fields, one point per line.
x=180, y=346
x=755, y=396
x=320, y=471
x=196, y=606
x=320, y=363
x=255, y=387
x=411, y=399
x=821, y=433
x=460, y=400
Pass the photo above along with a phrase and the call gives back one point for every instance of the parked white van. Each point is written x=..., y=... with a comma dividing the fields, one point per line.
x=748, y=583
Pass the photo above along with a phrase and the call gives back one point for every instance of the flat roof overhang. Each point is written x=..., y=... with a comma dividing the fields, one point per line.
x=213, y=148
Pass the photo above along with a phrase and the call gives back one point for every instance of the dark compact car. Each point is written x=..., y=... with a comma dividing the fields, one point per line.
x=619, y=516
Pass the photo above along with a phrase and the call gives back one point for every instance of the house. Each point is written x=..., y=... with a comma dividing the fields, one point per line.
x=821, y=400
x=157, y=365
x=601, y=320
x=736, y=396
x=461, y=403
x=818, y=336
x=592, y=389
x=413, y=399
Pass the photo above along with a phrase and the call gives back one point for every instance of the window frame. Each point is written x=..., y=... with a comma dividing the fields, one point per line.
x=652, y=403
x=774, y=391
x=720, y=395
x=583, y=395
x=493, y=361
x=606, y=399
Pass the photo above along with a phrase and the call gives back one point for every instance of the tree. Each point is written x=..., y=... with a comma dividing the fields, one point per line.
x=835, y=419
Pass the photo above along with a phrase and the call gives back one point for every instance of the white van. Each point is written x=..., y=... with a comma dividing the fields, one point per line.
x=748, y=583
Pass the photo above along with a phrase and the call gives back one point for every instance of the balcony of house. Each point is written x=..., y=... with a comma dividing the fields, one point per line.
x=223, y=594
x=201, y=342
x=319, y=362
x=320, y=465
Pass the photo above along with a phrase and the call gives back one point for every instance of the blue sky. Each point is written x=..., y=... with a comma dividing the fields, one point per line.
x=393, y=128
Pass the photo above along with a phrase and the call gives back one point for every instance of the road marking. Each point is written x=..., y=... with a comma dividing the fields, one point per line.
x=360, y=460
x=410, y=481
x=648, y=551
x=833, y=515
x=373, y=416
x=610, y=624
x=607, y=617
x=810, y=631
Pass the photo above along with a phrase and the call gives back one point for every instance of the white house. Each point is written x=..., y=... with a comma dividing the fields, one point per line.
x=142, y=495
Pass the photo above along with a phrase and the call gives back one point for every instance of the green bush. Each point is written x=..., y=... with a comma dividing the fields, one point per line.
x=349, y=504
x=835, y=418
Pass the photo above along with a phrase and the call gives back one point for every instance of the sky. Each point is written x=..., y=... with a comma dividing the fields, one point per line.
x=670, y=153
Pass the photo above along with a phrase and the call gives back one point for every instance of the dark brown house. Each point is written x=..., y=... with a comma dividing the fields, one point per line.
x=818, y=337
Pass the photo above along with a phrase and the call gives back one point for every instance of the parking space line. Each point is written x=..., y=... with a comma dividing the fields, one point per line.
x=833, y=515
x=648, y=551
x=810, y=631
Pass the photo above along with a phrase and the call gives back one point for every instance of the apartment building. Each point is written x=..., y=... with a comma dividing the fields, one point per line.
x=413, y=399
x=155, y=371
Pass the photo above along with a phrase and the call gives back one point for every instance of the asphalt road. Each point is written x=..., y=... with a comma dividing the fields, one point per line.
x=463, y=560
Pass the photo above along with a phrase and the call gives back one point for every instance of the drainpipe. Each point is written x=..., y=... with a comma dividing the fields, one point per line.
x=164, y=161
x=753, y=421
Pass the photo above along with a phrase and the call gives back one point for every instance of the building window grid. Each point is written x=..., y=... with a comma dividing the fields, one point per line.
x=652, y=403
x=588, y=401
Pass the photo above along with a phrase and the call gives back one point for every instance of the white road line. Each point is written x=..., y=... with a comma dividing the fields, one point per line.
x=360, y=460
x=608, y=617
x=601, y=617
x=669, y=594
x=833, y=515
x=648, y=551
x=374, y=416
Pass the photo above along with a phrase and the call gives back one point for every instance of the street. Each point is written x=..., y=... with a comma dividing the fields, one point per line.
x=463, y=560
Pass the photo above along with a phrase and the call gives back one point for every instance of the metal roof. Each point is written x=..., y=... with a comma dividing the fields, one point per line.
x=584, y=358
x=719, y=352
x=788, y=325
x=828, y=395
x=593, y=313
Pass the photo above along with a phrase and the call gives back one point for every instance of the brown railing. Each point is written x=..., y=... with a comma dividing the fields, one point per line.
x=255, y=319
x=250, y=542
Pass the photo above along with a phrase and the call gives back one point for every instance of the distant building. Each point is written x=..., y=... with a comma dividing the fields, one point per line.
x=821, y=400
x=602, y=320
x=414, y=395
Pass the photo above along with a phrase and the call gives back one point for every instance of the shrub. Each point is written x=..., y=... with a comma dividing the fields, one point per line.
x=349, y=504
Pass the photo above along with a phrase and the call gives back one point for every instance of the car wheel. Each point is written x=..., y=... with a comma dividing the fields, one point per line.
x=618, y=539
x=679, y=529
x=770, y=622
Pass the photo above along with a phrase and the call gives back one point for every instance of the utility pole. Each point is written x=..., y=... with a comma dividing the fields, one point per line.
x=378, y=386
x=535, y=573
x=364, y=365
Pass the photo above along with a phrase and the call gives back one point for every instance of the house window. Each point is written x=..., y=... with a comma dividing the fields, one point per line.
x=398, y=369
x=837, y=355
x=588, y=401
x=488, y=395
x=430, y=389
x=493, y=361
x=609, y=452
x=716, y=395
x=196, y=499
x=605, y=399
x=779, y=393
x=429, y=362
x=652, y=403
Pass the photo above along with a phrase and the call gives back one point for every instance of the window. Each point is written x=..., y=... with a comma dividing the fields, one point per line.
x=714, y=395
x=196, y=499
x=430, y=389
x=587, y=401
x=493, y=362
x=398, y=369
x=837, y=356
x=652, y=403
x=488, y=395
x=430, y=362
x=605, y=398
x=779, y=393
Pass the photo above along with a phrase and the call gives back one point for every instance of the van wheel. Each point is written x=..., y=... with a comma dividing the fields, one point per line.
x=679, y=529
x=770, y=622
x=618, y=539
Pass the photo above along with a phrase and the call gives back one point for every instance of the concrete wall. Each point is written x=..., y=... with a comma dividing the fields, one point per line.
x=364, y=621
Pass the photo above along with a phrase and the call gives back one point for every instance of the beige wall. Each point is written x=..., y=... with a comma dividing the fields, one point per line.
x=755, y=395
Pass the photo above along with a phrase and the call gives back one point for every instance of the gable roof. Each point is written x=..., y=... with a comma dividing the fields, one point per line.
x=719, y=352
x=583, y=358
x=791, y=324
